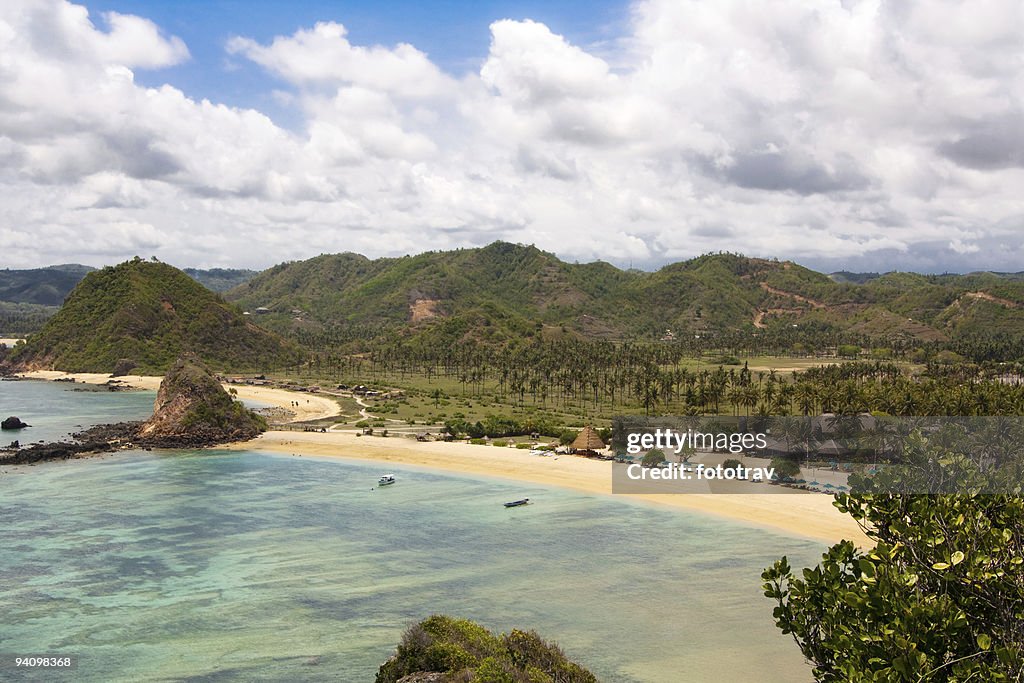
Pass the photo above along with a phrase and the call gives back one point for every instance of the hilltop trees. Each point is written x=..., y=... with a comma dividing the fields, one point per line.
x=148, y=313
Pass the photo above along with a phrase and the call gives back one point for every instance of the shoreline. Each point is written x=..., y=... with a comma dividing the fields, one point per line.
x=310, y=406
x=806, y=515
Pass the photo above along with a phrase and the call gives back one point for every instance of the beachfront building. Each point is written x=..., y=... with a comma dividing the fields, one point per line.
x=588, y=440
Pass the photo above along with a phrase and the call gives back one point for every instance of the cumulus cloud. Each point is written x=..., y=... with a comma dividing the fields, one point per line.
x=841, y=134
x=324, y=56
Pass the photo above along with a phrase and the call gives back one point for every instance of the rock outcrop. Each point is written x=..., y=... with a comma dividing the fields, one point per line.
x=13, y=422
x=192, y=410
x=192, y=405
x=123, y=367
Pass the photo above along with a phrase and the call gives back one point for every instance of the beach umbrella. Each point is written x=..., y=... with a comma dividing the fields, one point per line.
x=829, y=486
x=814, y=483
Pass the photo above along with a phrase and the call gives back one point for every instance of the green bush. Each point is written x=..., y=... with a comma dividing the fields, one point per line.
x=491, y=670
x=848, y=351
x=940, y=595
x=469, y=652
x=785, y=467
x=653, y=458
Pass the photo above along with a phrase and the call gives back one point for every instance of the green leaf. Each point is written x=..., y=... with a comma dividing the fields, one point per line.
x=867, y=567
x=940, y=565
x=984, y=641
x=957, y=558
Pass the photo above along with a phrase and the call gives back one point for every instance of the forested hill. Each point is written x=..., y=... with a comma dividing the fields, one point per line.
x=50, y=285
x=41, y=286
x=28, y=298
x=142, y=315
x=504, y=290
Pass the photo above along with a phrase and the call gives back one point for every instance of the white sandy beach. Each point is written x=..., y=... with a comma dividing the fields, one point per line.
x=807, y=515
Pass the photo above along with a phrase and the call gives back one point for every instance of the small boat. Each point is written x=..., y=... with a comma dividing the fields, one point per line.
x=386, y=480
x=517, y=503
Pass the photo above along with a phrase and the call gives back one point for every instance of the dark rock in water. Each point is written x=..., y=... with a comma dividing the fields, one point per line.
x=13, y=423
x=15, y=444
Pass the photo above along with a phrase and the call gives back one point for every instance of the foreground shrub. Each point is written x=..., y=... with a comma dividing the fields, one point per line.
x=940, y=596
x=467, y=651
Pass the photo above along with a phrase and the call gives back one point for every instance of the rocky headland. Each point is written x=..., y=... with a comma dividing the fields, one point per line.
x=192, y=410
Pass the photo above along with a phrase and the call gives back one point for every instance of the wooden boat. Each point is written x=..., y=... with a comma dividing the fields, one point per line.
x=386, y=480
x=517, y=503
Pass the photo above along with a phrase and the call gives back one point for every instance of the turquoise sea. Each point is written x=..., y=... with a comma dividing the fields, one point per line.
x=239, y=566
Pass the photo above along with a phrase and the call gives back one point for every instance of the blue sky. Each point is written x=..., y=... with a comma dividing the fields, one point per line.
x=454, y=34
x=841, y=134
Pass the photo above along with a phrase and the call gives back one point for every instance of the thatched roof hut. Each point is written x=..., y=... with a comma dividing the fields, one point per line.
x=588, y=440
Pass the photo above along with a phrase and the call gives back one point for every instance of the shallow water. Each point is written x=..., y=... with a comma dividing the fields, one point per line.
x=56, y=409
x=244, y=566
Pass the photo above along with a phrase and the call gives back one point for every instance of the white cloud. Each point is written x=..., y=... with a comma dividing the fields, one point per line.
x=324, y=56
x=832, y=132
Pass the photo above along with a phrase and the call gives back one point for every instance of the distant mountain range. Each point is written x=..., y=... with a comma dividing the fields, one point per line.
x=505, y=291
x=41, y=286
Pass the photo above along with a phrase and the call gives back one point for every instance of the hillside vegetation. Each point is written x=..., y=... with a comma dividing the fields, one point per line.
x=507, y=291
x=28, y=298
x=460, y=650
x=144, y=315
x=41, y=286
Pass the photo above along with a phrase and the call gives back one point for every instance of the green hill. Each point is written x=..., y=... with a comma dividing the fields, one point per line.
x=50, y=285
x=148, y=314
x=28, y=298
x=505, y=291
x=41, y=286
